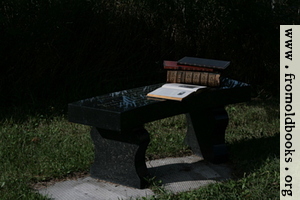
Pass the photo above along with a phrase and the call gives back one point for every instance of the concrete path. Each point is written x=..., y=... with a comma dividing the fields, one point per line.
x=177, y=175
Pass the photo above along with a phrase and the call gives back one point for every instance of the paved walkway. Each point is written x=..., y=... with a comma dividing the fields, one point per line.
x=177, y=175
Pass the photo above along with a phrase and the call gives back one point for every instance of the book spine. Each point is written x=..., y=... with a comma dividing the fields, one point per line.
x=172, y=65
x=171, y=76
x=189, y=77
x=214, y=79
x=205, y=63
x=188, y=68
x=204, y=79
x=180, y=77
x=194, y=77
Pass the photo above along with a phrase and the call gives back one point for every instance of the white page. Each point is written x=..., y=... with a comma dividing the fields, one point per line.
x=177, y=93
x=183, y=86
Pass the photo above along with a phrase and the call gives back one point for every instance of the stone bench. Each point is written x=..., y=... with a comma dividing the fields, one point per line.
x=121, y=140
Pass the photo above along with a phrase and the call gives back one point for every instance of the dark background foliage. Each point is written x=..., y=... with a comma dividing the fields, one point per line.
x=63, y=50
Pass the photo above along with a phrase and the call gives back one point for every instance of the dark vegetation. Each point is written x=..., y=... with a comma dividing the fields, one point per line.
x=54, y=52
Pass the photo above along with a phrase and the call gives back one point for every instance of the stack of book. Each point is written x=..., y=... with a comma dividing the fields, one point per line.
x=197, y=71
x=189, y=76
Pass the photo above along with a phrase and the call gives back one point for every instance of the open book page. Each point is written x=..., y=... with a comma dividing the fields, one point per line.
x=181, y=86
x=174, y=91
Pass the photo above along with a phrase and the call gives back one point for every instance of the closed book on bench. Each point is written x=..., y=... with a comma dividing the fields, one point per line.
x=194, y=77
x=202, y=62
x=173, y=65
x=175, y=91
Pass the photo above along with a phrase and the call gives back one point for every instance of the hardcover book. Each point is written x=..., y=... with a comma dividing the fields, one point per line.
x=172, y=65
x=194, y=77
x=175, y=91
x=206, y=63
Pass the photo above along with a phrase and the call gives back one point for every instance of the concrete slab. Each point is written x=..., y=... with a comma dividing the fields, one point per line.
x=176, y=174
x=91, y=189
x=186, y=173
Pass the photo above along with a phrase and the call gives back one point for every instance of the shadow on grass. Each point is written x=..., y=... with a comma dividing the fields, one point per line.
x=248, y=155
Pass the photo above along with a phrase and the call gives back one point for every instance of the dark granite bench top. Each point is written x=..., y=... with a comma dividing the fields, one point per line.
x=127, y=109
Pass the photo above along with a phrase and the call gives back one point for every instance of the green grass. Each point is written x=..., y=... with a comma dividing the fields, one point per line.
x=253, y=139
x=42, y=147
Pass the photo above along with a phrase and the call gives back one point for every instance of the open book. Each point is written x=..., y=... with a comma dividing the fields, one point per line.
x=175, y=91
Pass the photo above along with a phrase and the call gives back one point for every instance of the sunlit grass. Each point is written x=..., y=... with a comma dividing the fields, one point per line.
x=253, y=140
x=42, y=148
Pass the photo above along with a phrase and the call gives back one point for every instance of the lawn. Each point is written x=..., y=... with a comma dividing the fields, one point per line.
x=44, y=146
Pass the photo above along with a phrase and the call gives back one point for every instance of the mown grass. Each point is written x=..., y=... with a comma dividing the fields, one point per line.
x=253, y=139
x=40, y=149
x=44, y=147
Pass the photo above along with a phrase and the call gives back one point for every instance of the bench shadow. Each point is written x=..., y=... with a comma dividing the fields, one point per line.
x=245, y=157
x=198, y=172
x=251, y=154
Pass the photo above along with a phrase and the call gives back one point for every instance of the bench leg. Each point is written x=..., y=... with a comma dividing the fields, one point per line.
x=206, y=133
x=120, y=158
